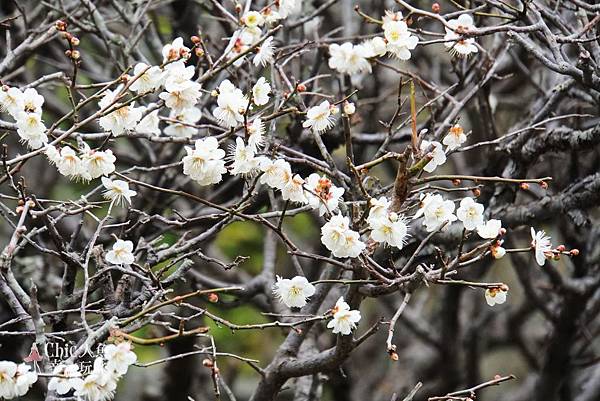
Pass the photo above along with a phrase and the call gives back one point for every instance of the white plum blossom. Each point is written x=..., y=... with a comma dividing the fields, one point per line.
x=293, y=189
x=375, y=47
x=322, y=194
x=180, y=91
x=68, y=162
x=257, y=132
x=11, y=100
x=337, y=236
x=470, y=213
x=15, y=380
x=438, y=155
x=123, y=118
x=119, y=357
x=455, y=137
x=204, y=163
x=97, y=163
x=121, y=253
x=541, y=245
x=275, y=173
x=265, y=53
x=7, y=372
x=244, y=161
x=32, y=101
x=249, y=36
x=391, y=229
x=178, y=76
x=344, y=320
x=253, y=19
x=99, y=385
x=437, y=211
x=399, y=39
x=261, y=91
x=231, y=104
x=378, y=209
x=293, y=293
x=185, y=128
x=495, y=296
x=454, y=40
x=490, y=229
x=24, y=378
x=31, y=129
x=117, y=191
x=182, y=99
x=348, y=58
x=319, y=118
x=175, y=51
x=149, y=124
x=67, y=378
x=149, y=78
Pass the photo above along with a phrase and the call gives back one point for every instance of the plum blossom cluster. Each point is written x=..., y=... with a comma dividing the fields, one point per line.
x=386, y=226
x=82, y=164
x=397, y=41
x=26, y=109
x=438, y=212
x=206, y=163
x=344, y=319
x=101, y=383
x=294, y=293
x=15, y=380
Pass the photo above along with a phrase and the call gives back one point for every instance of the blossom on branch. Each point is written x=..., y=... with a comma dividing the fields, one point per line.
x=294, y=292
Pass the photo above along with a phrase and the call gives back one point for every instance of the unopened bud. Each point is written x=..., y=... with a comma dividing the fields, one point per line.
x=504, y=287
x=238, y=8
x=5, y=88
x=75, y=41
x=66, y=35
x=61, y=25
x=524, y=186
x=574, y=252
x=349, y=108
x=19, y=209
x=544, y=185
x=195, y=39
x=476, y=192
x=207, y=363
x=556, y=256
x=212, y=297
x=301, y=88
x=502, y=231
x=561, y=248
x=199, y=52
x=394, y=356
x=75, y=55
x=435, y=7
x=456, y=182
x=68, y=53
